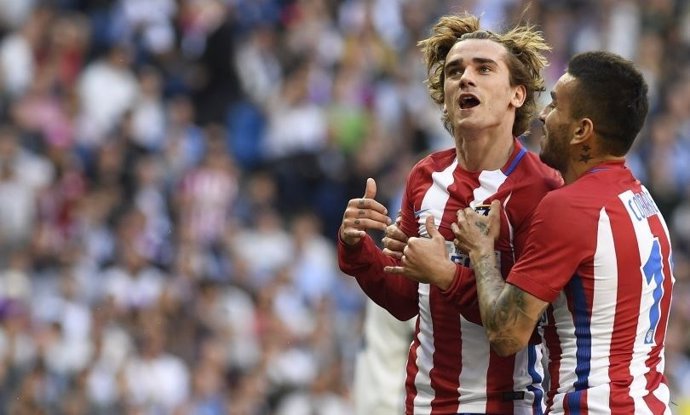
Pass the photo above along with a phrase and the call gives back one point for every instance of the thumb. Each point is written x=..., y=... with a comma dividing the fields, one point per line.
x=431, y=227
x=370, y=191
x=494, y=213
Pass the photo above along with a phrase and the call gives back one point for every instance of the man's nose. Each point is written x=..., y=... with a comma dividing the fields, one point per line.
x=467, y=78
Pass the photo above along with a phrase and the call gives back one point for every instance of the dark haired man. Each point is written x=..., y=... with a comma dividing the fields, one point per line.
x=598, y=254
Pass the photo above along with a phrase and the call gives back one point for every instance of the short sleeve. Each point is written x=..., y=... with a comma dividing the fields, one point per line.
x=555, y=247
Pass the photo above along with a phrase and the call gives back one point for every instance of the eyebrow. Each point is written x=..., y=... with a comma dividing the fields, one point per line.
x=485, y=60
x=477, y=60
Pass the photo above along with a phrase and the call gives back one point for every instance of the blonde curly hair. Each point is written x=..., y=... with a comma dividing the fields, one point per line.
x=525, y=60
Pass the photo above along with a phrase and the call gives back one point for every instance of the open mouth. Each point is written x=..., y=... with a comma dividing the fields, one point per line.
x=468, y=101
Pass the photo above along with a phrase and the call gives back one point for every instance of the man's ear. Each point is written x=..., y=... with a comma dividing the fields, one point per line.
x=519, y=96
x=583, y=131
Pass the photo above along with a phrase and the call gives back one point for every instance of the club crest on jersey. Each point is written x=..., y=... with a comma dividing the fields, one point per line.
x=456, y=256
x=461, y=258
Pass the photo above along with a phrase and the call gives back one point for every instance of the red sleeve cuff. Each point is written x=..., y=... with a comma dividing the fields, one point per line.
x=460, y=280
x=533, y=287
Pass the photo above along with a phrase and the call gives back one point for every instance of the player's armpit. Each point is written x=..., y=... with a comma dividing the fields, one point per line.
x=512, y=322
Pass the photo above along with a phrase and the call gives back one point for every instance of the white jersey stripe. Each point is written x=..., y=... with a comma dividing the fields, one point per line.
x=565, y=330
x=475, y=356
x=603, y=313
x=425, y=352
x=433, y=203
x=536, y=373
x=475, y=363
x=489, y=182
x=436, y=198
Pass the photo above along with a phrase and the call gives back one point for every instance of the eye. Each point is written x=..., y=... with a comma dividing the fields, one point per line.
x=484, y=69
x=454, y=71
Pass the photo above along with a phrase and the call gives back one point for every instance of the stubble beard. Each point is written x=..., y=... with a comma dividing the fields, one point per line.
x=552, y=154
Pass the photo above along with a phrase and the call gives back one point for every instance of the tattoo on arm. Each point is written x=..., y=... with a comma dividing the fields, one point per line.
x=501, y=306
x=482, y=227
x=509, y=306
x=489, y=287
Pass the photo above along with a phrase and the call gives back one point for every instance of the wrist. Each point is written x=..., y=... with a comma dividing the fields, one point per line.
x=482, y=254
x=348, y=241
x=446, y=275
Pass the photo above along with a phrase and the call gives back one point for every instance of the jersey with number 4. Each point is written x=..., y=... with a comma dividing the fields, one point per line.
x=599, y=252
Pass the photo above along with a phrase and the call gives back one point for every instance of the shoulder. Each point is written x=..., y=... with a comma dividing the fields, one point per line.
x=529, y=182
x=436, y=161
x=532, y=170
x=569, y=206
x=560, y=198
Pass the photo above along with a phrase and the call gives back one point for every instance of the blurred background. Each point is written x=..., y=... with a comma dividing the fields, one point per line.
x=173, y=174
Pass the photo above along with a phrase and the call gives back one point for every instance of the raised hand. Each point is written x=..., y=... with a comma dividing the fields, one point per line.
x=363, y=214
x=476, y=234
x=426, y=259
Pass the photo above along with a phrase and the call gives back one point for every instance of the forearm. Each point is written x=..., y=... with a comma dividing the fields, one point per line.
x=365, y=262
x=490, y=284
x=501, y=308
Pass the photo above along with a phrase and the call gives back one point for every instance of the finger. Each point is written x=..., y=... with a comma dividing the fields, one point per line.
x=370, y=190
x=458, y=242
x=393, y=245
x=366, y=223
x=494, y=212
x=394, y=270
x=398, y=218
x=369, y=214
x=456, y=229
x=394, y=232
x=470, y=215
x=392, y=254
x=431, y=227
x=366, y=204
x=353, y=233
x=462, y=218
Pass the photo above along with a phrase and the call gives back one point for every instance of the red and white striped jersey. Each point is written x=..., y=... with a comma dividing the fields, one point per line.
x=599, y=252
x=451, y=368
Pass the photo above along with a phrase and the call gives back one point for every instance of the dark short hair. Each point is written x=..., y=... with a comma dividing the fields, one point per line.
x=613, y=94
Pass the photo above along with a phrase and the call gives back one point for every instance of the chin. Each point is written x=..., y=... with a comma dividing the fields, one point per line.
x=553, y=163
x=470, y=125
x=546, y=160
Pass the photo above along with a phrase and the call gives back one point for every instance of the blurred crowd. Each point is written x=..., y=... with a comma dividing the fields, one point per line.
x=173, y=174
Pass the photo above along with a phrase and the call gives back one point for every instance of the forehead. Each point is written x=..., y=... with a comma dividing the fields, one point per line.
x=470, y=49
x=564, y=87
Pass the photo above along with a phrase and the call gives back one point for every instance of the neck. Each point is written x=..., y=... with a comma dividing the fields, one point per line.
x=578, y=168
x=483, y=152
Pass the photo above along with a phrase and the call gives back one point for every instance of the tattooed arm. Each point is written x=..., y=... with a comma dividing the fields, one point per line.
x=508, y=313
